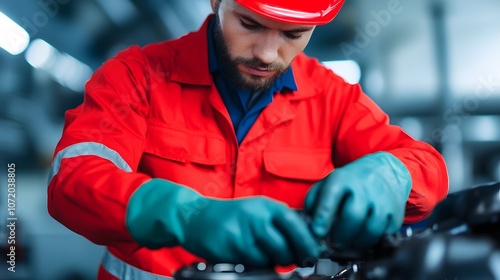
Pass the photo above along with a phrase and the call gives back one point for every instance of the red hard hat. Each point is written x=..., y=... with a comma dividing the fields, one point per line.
x=314, y=12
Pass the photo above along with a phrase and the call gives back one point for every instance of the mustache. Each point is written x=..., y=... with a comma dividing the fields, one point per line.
x=257, y=63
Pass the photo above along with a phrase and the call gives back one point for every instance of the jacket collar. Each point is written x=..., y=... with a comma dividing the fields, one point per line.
x=192, y=62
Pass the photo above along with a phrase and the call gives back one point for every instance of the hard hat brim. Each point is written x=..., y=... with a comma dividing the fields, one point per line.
x=292, y=16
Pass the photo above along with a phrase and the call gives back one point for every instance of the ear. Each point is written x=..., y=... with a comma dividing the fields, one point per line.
x=214, y=4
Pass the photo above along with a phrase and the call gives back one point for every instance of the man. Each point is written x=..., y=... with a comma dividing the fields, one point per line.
x=202, y=148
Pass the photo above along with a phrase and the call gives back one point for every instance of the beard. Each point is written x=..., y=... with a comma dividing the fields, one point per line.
x=230, y=71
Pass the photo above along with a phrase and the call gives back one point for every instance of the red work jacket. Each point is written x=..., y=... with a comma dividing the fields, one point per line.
x=154, y=112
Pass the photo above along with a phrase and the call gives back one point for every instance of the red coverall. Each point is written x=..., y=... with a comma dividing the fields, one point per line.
x=155, y=112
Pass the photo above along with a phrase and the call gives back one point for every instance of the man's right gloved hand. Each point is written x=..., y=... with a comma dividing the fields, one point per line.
x=255, y=231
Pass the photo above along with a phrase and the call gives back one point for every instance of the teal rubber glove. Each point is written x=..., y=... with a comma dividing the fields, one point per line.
x=360, y=202
x=256, y=231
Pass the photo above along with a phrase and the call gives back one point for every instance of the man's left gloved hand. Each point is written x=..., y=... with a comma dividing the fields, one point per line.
x=361, y=201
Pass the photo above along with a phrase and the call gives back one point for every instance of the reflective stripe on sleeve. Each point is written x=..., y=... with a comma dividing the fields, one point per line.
x=86, y=149
x=124, y=271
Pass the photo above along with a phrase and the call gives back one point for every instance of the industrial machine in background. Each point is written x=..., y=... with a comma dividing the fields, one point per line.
x=461, y=240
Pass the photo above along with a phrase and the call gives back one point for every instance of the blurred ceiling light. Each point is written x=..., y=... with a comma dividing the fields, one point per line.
x=13, y=38
x=347, y=69
x=40, y=54
x=63, y=68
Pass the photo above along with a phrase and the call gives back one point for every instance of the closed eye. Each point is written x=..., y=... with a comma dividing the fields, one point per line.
x=254, y=26
x=250, y=26
x=293, y=36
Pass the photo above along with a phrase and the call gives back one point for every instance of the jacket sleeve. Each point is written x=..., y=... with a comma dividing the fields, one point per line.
x=94, y=169
x=364, y=128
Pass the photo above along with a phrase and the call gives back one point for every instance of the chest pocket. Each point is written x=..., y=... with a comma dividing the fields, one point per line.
x=185, y=146
x=307, y=164
x=190, y=158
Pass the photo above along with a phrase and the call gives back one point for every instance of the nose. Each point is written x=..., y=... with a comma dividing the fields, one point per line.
x=267, y=48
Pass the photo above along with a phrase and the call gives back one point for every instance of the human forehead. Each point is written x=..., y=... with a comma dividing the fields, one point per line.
x=232, y=7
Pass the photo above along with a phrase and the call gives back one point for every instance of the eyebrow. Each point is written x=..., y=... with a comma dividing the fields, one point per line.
x=295, y=30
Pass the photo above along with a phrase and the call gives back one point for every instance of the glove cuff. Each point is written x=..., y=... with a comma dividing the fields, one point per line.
x=401, y=176
x=157, y=213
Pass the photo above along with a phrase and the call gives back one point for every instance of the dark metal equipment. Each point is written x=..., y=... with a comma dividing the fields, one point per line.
x=461, y=240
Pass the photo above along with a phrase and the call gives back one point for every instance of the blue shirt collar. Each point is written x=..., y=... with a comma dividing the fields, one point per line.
x=287, y=80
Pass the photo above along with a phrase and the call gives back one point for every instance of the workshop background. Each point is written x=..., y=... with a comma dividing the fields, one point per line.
x=432, y=65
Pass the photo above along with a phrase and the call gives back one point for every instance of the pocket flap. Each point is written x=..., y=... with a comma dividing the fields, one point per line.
x=311, y=164
x=185, y=146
